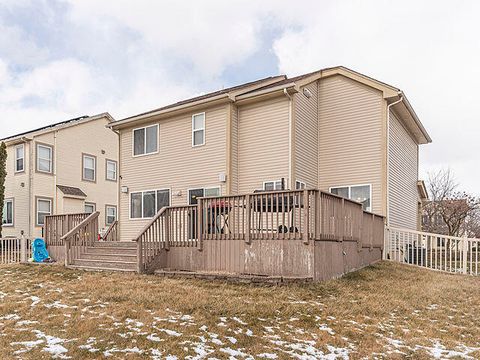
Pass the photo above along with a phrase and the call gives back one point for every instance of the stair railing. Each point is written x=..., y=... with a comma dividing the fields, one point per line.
x=112, y=232
x=83, y=235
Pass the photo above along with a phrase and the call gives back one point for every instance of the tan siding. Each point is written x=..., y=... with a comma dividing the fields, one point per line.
x=403, y=176
x=177, y=165
x=234, y=138
x=263, y=143
x=306, y=136
x=350, y=136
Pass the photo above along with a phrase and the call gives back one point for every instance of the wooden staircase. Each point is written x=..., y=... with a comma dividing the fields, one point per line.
x=117, y=256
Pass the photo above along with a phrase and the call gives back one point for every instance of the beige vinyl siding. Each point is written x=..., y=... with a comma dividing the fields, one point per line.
x=403, y=176
x=262, y=143
x=234, y=142
x=177, y=166
x=306, y=136
x=16, y=188
x=350, y=136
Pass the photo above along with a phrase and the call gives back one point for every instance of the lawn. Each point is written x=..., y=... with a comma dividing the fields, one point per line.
x=383, y=311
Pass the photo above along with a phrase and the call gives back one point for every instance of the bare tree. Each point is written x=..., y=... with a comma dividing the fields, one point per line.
x=449, y=211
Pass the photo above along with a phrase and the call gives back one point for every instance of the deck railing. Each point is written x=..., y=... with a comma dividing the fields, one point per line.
x=433, y=251
x=112, y=232
x=56, y=226
x=15, y=250
x=302, y=215
x=83, y=235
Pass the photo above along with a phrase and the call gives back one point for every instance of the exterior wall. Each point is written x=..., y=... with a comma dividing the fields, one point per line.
x=234, y=150
x=177, y=166
x=16, y=188
x=403, y=176
x=68, y=143
x=350, y=150
x=306, y=136
x=263, y=137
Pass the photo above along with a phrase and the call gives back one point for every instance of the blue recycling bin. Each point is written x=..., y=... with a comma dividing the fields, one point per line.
x=39, y=251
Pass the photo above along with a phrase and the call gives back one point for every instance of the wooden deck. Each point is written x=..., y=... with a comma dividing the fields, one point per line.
x=283, y=234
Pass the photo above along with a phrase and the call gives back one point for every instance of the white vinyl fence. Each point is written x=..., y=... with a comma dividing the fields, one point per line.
x=15, y=250
x=433, y=251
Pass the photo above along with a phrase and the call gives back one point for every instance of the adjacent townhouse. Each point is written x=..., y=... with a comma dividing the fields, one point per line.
x=67, y=167
x=333, y=129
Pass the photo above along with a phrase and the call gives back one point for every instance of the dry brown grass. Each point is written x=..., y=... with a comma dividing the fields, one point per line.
x=384, y=311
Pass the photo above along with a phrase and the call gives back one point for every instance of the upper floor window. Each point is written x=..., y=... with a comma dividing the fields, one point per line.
x=90, y=208
x=272, y=185
x=300, y=185
x=111, y=170
x=358, y=193
x=44, y=208
x=145, y=204
x=198, y=129
x=110, y=214
x=19, y=158
x=44, y=158
x=7, y=218
x=89, y=167
x=145, y=140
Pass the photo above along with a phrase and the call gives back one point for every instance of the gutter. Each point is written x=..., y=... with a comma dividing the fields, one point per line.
x=388, y=154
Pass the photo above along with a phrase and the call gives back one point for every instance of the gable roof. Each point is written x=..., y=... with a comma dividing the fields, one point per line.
x=72, y=191
x=59, y=125
x=274, y=83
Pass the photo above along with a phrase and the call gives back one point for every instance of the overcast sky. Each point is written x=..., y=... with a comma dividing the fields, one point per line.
x=62, y=59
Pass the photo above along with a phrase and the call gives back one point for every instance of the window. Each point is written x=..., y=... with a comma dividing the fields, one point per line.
x=19, y=158
x=209, y=192
x=272, y=185
x=145, y=204
x=194, y=194
x=44, y=208
x=44, y=158
x=358, y=193
x=198, y=129
x=89, y=167
x=7, y=218
x=90, y=208
x=300, y=185
x=110, y=214
x=111, y=170
x=145, y=140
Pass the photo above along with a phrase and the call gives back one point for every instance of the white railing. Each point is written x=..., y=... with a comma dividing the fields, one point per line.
x=433, y=251
x=14, y=250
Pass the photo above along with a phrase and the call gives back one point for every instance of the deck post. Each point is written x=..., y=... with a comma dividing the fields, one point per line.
x=139, y=256
x=247, y=219
x=199, y=224
x=23, y=249
x=464, y=254
x=306, y=217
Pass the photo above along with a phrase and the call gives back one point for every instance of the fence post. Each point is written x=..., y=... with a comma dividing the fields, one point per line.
x=464, y=254
x=139, y=255
x=23, y=249
x=306, y=217
x=247, y=219
x=199, y=224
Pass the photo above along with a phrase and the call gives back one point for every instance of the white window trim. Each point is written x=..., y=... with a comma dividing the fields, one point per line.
x=143, y=191
x=11, y=200
x=302, y=183
x=106, y=170
x=50, y=160
x=350, y=192
x=204, y=131
x=16, y=158
x=94, y=167
x=145, y=140
x=274, y=182
x=106, y=214
x=37, y=212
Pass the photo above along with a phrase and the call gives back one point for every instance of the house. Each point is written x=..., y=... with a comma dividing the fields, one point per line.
x=67, y=167
x=334, y=129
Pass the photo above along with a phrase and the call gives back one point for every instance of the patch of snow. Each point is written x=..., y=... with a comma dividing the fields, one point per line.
x=267, y=356
x=171, y=332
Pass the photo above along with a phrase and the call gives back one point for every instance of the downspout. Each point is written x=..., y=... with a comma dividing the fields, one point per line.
x=31, y=167
x=289, y=137
x=388, y=153
x=55, y=172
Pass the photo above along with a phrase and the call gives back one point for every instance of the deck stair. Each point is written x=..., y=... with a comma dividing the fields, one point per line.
x=119, y=256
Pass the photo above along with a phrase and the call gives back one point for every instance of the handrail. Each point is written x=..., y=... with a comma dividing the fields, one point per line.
x=83, y=223
x=111, y=228
x=157, y=215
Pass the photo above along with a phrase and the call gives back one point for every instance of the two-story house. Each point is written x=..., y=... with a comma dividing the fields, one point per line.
x=333, y=129
x=67, y=167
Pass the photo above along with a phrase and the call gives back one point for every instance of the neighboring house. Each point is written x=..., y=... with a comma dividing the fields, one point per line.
x=67, y=167
x=333, y=129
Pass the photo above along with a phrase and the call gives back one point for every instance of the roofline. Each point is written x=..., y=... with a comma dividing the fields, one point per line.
x=415, y=117
x=56, y=126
